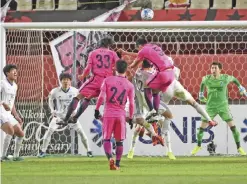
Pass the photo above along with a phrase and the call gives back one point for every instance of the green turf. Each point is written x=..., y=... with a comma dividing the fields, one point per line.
x=143, y=170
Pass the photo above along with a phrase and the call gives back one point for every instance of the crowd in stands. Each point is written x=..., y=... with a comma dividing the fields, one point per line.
x=27, y=5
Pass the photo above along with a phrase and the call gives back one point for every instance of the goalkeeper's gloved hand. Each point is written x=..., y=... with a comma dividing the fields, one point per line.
x=242, y=90
x=130, y=123
x=202, y=98
x=97, y=114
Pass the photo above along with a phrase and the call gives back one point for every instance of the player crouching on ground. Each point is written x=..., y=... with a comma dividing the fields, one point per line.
x=10, y=123
x=62, y=96
x=115, y=91
x=217, y=102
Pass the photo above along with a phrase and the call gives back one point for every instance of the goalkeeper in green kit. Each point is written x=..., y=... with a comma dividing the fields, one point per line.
x=217, y=102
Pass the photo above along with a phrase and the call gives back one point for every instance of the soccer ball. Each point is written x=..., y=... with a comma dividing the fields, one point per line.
x=147, y=14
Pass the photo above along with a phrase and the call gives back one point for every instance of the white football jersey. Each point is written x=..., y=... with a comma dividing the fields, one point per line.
x=176, y=69
x=62, y=99
x=8, y=94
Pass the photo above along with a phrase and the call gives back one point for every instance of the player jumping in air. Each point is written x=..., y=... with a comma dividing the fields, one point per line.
x=62, y=96
x=115, y=91
x=101, y=63
x=217, y=102
x=159, y=81
x=10, y=121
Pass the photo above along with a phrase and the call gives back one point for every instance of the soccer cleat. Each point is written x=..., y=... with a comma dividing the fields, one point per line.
x=212, y=123
x=151, y=114
x=5, y=158
x=112, y=164
x=42, y=155
x=90, y=154
x=196, y=150
x=18, y=159
x=154, y=140
x=241, y=151
x=171, y=156
x=130, y=154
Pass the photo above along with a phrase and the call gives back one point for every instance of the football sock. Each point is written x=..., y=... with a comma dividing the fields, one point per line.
x=108, y=148
x=72, y=106
x=47, y=139
x=18, y=143
x=202, y=111
x=119, y=153
x=236, y=136
x=200, y=136
x=148, y=97
x=82, y=108
x=6, y=143
x=156, y=101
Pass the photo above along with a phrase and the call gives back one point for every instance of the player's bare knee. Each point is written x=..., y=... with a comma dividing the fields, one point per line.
x=167, y=114
x=19, y=132
x=79, y=96
x=8, y=129
x=192, y=102
x=204, y=125
x=140, y=120
x=230, y=123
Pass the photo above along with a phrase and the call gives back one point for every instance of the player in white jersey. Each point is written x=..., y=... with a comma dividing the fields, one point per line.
x=62, y=97
x=177, y=90
x=140, y=78
x=10, y=121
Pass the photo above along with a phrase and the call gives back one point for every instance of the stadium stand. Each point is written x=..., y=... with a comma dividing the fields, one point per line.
x=199, y=4
x=45, y=4
x=222, y=4
x=24, y=5
x=241, y=4
x=67, y=5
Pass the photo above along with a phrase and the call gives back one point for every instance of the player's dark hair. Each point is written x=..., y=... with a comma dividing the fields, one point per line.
x=8, y=68
x=121, y=66
x=65, y=76
x=141, y=41
x=217, y=64
x=146, y=64
x=106, y=42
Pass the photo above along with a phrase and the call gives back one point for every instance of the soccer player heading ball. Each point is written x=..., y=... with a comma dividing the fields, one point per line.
x=217, y=102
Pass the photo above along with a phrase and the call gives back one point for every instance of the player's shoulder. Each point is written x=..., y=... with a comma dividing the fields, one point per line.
x=207, y=77
x=55, y=90
x=73, y=89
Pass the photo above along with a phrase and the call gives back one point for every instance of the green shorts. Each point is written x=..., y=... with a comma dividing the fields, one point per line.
x=223, y=112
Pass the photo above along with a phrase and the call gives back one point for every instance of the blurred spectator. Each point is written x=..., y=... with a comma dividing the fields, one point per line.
x=177, y=3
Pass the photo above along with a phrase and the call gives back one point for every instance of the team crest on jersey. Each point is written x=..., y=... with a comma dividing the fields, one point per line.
x=70, y=96
x=221, y=83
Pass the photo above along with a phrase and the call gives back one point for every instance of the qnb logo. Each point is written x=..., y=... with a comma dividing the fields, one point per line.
x=97, y=130
x=244, y=130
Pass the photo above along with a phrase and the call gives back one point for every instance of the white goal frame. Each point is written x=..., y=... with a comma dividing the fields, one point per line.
x=144, y=26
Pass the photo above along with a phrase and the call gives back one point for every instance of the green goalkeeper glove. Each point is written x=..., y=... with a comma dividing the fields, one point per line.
x=202, y=98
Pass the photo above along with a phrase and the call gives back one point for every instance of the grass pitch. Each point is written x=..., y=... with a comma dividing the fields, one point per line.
x=143, y=170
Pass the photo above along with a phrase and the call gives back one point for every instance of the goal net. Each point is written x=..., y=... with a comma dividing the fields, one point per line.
x=42, y=52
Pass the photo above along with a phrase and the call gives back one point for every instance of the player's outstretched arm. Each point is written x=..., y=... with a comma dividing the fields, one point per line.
x=242, y=89
x=123, y=52
x=201, y=93
x=88, y=68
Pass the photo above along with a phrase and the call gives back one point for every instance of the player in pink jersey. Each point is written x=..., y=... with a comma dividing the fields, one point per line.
x=163, y=76
x=101, y=63
x=114, y=91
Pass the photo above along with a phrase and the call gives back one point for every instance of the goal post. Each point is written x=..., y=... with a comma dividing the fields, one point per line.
x=43, y=50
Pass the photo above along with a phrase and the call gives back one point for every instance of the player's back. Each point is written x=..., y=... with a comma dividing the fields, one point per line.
x=103, y=61
x=156, y=56
x=118, y=89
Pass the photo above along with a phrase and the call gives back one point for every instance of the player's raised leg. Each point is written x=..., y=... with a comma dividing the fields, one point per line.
x=133, y=141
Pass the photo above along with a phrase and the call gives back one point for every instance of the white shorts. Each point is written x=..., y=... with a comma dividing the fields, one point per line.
x=176, y=90
x=54, y=126
x=7, y=117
